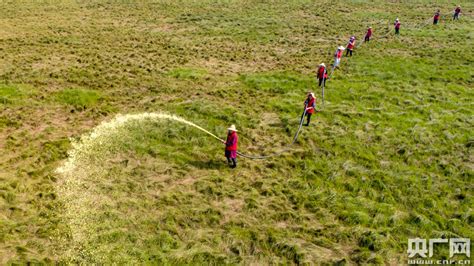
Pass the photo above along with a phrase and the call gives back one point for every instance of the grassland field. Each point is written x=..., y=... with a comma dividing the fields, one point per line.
x=388, y=157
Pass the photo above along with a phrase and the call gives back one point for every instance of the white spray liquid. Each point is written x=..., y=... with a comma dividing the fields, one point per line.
x=82, y=169
x=100, y=134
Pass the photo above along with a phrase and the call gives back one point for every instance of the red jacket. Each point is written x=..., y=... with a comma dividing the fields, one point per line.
x=369, y=33
x=310, y=103
x=231, y=142
x=338, y=53
x=436, y=16
x=351, y=44
x=457, y=10
x=322, y=73
x=397, y=25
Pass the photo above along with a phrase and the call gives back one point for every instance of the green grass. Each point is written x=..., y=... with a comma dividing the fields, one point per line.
x=14, y=94
x=388, y=158
x=277, y=82
x=78, y=98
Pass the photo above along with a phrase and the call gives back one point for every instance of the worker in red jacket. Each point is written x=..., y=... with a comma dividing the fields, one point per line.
x=436, y=17
x=231, y=146
x=322, y=74
x=457, y=11
x=310, y=105
x=351, y=45
x=337, y=56
x=368, y=34
x=397, y=26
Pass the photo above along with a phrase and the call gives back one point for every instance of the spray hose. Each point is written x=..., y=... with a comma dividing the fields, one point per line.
x=287, y=148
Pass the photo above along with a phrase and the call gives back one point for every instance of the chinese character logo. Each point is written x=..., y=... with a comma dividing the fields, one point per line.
x=460, y=246
x=418, y=246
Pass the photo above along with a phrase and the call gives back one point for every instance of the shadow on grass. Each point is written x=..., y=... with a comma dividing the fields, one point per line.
x=211, y=164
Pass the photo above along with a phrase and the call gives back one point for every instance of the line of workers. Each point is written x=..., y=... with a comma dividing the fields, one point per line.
x=322, y=76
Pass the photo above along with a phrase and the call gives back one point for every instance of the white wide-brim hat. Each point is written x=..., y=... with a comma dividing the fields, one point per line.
x=232, y=128
x=341, y=48
x=322, y=64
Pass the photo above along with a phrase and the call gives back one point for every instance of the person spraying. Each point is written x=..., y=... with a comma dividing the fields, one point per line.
x=310, y=105
x=350, y=45
x=397, y=25
x=337, y=56
x=322, y=74
x=436, y=17
x=231, y=146
x=368, y=34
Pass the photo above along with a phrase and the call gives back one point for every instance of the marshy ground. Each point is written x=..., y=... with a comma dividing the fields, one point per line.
x=389, y=157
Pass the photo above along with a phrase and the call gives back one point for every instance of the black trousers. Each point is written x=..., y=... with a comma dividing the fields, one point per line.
x=397, y=31
x=321, y=81
x=456, y=16
x=232, y=162
x=367, y=38
x=435, y=22
x=308, y=118
x=349, y=51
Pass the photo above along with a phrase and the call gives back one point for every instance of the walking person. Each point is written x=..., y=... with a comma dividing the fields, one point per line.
x=350, y=45
x=322, y=74
x=457, y=11
x=337, y=56
x=397, y=25
x=436, y=17
x=231, y=146
x=368, y=34
x=310, y=104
